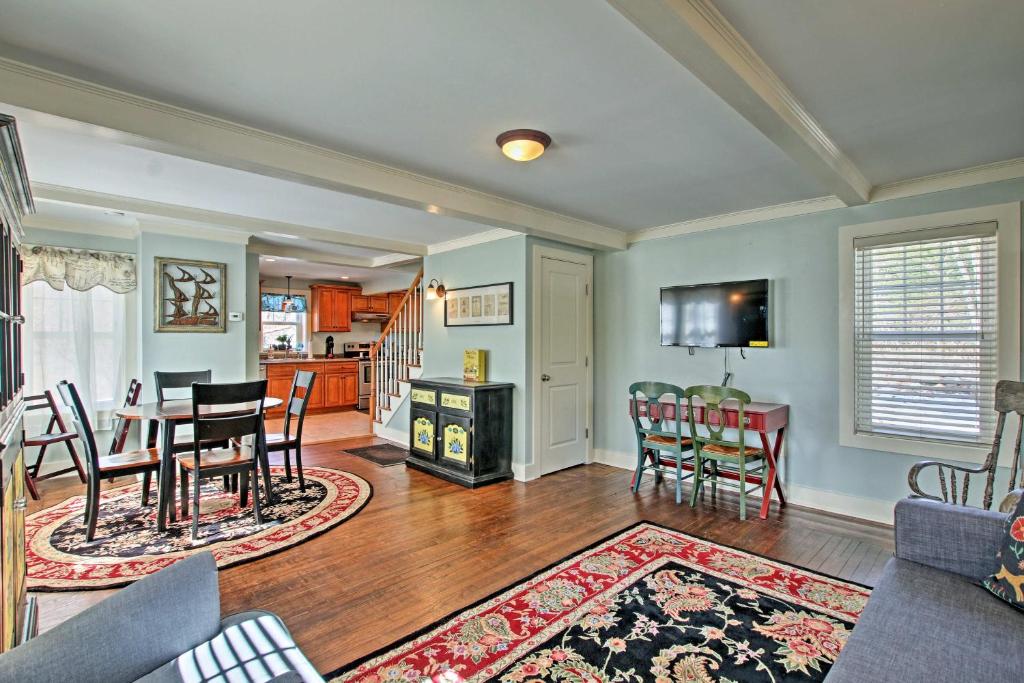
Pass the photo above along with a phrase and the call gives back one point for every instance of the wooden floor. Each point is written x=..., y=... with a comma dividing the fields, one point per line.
x=423, y=548
x=323, y=427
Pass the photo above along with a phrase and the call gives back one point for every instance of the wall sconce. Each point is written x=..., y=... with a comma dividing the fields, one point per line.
x=435, y=290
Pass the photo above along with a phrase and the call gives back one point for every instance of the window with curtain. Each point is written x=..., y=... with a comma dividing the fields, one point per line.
x=926, y=328
x=75, y=306
x=276, y=324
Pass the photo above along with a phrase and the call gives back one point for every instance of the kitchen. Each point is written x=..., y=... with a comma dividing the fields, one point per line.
x=326, y=326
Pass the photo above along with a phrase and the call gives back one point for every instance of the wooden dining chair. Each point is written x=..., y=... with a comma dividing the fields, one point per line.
x=653, y=437
x=171, y=386
x=145, y=462
x=45, y=401
x=287, y=441
x=244, y=425
x=121, y=425
x=730, y=460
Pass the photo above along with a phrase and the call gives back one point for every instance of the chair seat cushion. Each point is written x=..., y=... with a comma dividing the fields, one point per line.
x=47, y=439
x=666, y=440
x=924, y=625
x=129, y=460
x=257, y=649
x=734, y=451
x=218, y=457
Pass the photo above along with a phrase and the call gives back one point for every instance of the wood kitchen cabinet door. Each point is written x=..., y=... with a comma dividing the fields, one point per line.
x=332, y=309
x=379, y=303
x=360, y=303
x=332, y=390
x=394, y=301
x=279, y=387
x=350, y=389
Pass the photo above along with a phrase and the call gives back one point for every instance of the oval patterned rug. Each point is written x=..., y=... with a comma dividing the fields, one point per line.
x=127, y=545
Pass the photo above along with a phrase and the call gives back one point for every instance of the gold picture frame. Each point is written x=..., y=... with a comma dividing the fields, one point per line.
x=190, y=296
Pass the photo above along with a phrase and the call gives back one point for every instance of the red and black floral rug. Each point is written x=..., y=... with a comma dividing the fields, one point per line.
x=127, y=545
x=649, y=603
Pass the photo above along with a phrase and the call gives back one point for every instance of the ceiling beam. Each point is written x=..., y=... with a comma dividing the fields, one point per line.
x=254, y=226
x=308, y=255
x=696, y=35
x=140, y=122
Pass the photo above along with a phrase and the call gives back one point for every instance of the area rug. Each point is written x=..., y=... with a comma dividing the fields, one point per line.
x=649, y=603
x=383, y=454
x=127, y=545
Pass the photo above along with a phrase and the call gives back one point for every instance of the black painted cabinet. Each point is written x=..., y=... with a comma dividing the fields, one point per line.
x=461, y=431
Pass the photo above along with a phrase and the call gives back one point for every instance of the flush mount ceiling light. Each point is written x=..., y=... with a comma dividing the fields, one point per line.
x=523, y=144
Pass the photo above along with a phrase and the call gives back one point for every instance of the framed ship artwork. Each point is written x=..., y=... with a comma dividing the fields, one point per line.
x=474, y=306
x=190, y=296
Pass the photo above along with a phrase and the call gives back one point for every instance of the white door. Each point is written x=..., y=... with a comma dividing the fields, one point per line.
x=562, y=370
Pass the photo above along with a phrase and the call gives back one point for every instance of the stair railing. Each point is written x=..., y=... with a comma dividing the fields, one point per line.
x=398, y=348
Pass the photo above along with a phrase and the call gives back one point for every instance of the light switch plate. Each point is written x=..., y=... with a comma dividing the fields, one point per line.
x=235, y=317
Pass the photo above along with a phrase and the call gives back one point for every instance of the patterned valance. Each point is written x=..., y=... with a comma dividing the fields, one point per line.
x=80, y=269
x=274, y=303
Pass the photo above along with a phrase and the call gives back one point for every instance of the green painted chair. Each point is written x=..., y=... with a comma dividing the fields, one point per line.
x=731, y=461
x=653, y=438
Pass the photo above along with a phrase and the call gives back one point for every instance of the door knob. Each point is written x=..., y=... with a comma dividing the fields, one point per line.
x=545, y=378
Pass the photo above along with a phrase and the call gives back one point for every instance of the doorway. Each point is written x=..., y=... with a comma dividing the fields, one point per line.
x=563, y=354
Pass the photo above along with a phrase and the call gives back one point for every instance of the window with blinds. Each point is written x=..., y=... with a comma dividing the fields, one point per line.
x=925, y=334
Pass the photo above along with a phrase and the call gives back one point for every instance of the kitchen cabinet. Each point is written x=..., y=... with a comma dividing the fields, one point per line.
x=331, y=308
x=360, y=303
x=379, y=303
x=364, y=303
x=336, y=385
x=394, y=301
x=461, y=431
x=341, y=384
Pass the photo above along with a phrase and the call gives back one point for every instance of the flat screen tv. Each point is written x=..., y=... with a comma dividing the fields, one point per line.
x=715, y=315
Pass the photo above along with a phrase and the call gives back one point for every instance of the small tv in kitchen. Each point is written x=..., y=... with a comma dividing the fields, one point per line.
x=722, y=314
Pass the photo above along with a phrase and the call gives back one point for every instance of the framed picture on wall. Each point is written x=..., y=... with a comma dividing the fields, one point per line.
x=475, y=306
x=190, y=295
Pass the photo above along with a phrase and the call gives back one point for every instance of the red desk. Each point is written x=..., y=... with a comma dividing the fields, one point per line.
x=763, y=418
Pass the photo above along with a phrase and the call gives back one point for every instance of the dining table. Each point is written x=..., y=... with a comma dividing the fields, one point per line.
x=171, y=413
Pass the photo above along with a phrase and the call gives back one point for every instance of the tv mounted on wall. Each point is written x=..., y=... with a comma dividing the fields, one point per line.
x=722, y=314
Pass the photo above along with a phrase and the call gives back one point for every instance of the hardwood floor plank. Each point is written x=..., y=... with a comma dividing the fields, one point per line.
x=423, y=548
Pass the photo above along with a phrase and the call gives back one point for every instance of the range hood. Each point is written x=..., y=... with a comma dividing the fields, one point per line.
x=368, y=317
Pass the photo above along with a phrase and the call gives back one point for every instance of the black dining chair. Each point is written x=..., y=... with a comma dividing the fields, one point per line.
x=245, y=425
x=121, y=425
x=287, y=441
x=145, y=462
x=172, y=386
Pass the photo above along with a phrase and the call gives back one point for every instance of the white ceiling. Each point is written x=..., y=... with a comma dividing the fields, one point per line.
x=905, y=88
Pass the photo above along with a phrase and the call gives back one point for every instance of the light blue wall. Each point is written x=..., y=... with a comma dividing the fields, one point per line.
x=482, y=264
x=79, y=240
x=252, y=316
x=224, y=353
x=800, y=256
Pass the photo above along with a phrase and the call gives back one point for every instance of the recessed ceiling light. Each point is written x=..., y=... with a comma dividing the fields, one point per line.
x=523, y=144
x=281, y=234
x=268, y=259
x=344, y=277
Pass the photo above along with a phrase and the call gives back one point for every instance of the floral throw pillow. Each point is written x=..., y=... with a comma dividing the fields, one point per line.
x=1008, y=582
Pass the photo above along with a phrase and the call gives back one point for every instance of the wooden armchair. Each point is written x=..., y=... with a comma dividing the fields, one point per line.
x=1009, y=399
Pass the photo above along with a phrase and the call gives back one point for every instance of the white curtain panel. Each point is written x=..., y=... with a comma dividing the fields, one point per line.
x=78, y=336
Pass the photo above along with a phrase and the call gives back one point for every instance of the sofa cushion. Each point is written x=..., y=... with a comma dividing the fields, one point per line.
x=130, y=633
x=924, y=625
x=255, y=647
x=1007, y=583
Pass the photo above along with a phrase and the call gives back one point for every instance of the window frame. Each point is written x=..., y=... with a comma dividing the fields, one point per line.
x=308, y=341
x=1008, y=285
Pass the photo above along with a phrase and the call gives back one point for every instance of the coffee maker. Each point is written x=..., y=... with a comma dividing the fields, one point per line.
x=330, y=347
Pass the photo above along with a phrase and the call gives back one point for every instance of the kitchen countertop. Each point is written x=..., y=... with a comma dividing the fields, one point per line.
x=293, y=361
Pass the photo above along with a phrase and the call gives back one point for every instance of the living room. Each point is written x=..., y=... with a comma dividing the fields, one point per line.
x=515, y=288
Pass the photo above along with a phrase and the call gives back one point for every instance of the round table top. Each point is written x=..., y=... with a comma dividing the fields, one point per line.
x=181, y=409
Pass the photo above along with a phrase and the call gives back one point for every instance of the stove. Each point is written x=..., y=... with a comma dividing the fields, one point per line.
x=360, y=350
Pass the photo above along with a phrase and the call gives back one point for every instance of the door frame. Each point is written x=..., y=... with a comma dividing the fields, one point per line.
x=533, y=469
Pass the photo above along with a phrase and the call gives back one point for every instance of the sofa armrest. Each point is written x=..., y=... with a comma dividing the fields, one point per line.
x=131, y=633
x=953, y=538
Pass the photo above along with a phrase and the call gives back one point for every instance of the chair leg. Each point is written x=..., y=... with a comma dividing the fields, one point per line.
x=639, y=468
x=256, y=496
x=698, y=478
x=147, y=476
x=30, y=484
x=287, y=466
x=743, y=487
x=714, y=479
x=92, y=508
x=195, y=506
x=298, y=467
x=76, y=461
x=227, y=483
x=679, y=478
x=34, y=469
x=243, y=491
x=183, y=490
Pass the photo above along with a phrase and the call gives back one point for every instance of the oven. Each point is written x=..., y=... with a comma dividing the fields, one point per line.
x=364, y=384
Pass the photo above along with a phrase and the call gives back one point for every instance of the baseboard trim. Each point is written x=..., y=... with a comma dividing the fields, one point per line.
x=835, y=502
x=396, y=436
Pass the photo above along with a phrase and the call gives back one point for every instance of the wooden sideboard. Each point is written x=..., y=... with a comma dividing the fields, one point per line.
x=17, y=613
x=461, y=431
x=336, y=386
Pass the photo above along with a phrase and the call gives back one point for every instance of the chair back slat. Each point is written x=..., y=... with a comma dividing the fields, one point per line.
x=304, y=379
x=713, y=397
x=69, y=395
x=121, y=425
x=179, y=380
x=215, y=419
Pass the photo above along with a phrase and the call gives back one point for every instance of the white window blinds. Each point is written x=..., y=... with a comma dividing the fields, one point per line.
x=925, y=334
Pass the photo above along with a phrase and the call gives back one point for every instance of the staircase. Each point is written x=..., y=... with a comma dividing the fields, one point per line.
x=395, y=358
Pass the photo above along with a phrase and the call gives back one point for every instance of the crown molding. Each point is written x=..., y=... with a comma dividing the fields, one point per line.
x=472, y=240
x=37, y=222
x=392, y=260
x=950, y=180
x=697, y=36
x=163, y=226
x=246, y=224
x=727, y=220
x=141, y=122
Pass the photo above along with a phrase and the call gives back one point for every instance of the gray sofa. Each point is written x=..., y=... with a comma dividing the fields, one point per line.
x=165, y=628
x=928, y=620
